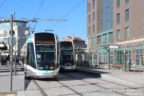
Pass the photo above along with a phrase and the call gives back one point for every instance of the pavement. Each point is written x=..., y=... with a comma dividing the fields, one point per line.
x=18, y=82
x=132, y=78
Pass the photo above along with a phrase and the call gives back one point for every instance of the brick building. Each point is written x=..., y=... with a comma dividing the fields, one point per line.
x=116, y=22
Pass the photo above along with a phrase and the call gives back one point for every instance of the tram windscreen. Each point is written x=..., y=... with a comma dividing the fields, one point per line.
x=66, y=53
x=45, y=51
x=44, y=38
x=66, y=45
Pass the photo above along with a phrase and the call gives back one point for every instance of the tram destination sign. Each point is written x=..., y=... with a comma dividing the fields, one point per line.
x=45, y=42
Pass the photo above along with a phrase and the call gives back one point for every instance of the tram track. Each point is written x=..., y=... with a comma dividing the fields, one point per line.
x=70, y=76
x=73, y=90
x=40, y=88
x=93, y=74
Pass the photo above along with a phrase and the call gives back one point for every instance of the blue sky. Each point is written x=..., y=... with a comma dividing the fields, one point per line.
x=73, y=10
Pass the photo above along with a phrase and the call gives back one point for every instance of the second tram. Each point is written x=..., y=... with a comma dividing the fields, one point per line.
x=67, y=56
x=40, y=55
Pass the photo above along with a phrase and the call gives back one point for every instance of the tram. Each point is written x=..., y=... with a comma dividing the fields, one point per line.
x=67, y=56
x=40, y=55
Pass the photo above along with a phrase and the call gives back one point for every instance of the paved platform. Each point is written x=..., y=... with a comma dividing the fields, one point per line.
x=18, y=81
x=135, y=78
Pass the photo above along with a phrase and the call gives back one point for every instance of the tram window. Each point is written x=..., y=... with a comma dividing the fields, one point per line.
x=30, y=58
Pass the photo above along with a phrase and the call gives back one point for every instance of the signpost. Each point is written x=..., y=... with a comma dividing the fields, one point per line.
x=11, y=52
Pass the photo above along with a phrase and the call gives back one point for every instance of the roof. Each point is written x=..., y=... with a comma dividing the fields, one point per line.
x=6, y=21
x=69, y=38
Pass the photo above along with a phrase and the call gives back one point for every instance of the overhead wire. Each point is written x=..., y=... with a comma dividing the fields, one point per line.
x=2, y=3
x=37, y=13
x=39, y=8
x=69, y=12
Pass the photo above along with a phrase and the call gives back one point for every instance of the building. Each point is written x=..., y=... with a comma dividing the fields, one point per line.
x=21, y=34
x=99, y=28
x=128, y=28
x=78, y=42
x=116, y=22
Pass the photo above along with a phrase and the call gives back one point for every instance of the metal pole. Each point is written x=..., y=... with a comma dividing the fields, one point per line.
x=11, y=52
x=108, y=59
x=125, y=67
x=15, y=63
x=0, y=58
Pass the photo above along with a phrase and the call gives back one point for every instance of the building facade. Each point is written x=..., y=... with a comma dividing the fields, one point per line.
x=99, y=28
x=116, y=22
x=21, y=34
x=128, y=29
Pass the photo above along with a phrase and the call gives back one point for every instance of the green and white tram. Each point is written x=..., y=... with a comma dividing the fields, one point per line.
x=67, y=56
x=40, y=55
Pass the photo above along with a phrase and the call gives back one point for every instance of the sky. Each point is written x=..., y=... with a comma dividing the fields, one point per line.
x=74, y=11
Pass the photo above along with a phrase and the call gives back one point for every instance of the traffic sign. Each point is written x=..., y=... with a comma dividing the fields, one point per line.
x=11, y=32
x=113, y=47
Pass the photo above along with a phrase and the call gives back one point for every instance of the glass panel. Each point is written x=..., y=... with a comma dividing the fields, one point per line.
x=94, y=42
x=31, y=56
x=111, y=37
x=127, y=1
x=93, y=4
x=127, y=32
x=106, y=15
x=127, y=15
x=89, y=6
x=118, y=3
x=89, y=19
x=118, y=34
x=118, y=18
x=89, y=30
x=93, y=28
x=94, y=16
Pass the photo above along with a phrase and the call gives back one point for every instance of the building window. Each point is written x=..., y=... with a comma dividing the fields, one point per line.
x=127, y=32
x=93, y=4
x=94, y=42
x=111, y=37
x=118, y=34
x=139, y=57
x=93, y=28
x=118, y=3
x=127, y=14
x=89, y=7
x=127, y=1
x=118, y=18
x=104, y=38
x=89, y=30
x=89, y=43
x=89, y=19
x=94, y=16
x=99, y=40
